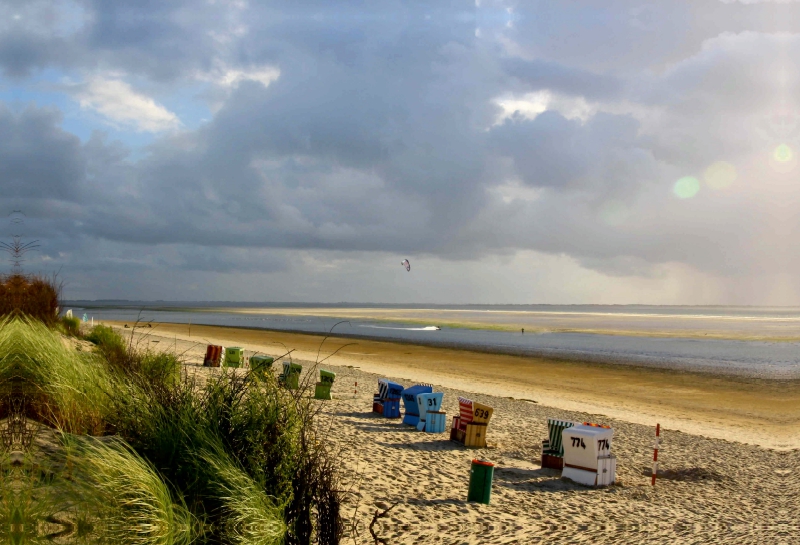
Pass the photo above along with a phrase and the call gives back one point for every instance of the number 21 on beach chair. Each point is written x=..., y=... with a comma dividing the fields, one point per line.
x=469, y=427
x=431, y=418
x=411, y=415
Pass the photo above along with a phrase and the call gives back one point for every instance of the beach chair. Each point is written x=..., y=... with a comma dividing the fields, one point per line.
x=213, y=356
x=387, y=400
x=260, y=364
x=411, y=413
x=234, y=356
x=323, y=388
x=552, y=447
x=290, y=376
x=470, y=426
x=431, y=418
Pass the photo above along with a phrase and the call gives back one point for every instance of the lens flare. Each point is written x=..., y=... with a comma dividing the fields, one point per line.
x=720, y=175
x=686, y=188
x=783, y=160
x=783, y=154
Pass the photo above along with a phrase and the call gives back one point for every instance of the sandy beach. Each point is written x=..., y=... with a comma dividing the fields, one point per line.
x=740, y=409
x=728, y=460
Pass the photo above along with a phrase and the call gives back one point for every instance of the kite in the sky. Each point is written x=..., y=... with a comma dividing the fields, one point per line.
x=406, y=264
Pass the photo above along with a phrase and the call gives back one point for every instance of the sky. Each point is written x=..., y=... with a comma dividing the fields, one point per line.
x=582, y=152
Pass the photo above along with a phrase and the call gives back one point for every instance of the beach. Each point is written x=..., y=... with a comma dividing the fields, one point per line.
x=727, y=451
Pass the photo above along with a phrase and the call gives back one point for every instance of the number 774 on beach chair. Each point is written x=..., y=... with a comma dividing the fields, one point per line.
x=469, y=427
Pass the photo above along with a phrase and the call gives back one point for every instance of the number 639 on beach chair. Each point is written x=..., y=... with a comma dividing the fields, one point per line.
x=469, y=427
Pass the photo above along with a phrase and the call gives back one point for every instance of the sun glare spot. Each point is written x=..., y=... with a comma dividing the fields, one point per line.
x=720, y=175
x=686, y=188
x=783, y=154
x=783, y=160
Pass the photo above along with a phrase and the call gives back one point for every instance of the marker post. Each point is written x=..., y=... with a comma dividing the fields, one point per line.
x=655, y=455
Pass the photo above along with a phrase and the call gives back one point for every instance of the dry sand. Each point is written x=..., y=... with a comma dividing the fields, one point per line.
x=755, y=411
x=720, y=488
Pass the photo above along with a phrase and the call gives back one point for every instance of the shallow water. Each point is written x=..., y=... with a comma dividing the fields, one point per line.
x=757, y=358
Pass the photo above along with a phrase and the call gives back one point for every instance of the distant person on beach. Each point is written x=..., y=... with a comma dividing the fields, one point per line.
x=523, y=331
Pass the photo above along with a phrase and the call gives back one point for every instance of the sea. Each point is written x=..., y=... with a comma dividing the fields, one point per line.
x=756, y=342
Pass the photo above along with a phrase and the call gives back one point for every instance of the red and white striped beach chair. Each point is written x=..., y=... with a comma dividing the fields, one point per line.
x=469, y=427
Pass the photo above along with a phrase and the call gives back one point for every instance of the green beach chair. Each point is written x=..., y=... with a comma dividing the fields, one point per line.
x=290, y=377
x=323, y=389
x=234, y=356
x=553, y=448
x=260, y=364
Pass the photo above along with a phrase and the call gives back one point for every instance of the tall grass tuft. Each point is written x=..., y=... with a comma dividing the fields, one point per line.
x=128, y=500
x=71, y=325
x=252, y=517
x=69, y=390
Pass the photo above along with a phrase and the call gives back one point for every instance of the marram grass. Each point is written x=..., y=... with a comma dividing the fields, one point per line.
x=233, y=462
x=130, y=503
x=71, y=390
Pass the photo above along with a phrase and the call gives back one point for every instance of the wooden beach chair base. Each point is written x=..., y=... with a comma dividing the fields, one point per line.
x=323, y=390
x=552, y=461
x=475, y=436
x=435, y=422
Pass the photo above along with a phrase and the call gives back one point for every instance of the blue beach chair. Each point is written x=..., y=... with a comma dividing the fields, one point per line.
x=431, y=419
x=411, y=416
x=387, y=400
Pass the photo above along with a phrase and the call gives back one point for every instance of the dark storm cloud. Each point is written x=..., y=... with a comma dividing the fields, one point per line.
x=38, y=159
x=606, y=154
x=541, y=74
x=383, y=132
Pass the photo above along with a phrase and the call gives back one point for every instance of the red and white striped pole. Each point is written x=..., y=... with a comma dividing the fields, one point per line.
x=655, y=455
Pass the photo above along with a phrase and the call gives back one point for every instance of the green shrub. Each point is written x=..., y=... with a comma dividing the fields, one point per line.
x=160, y=367
x=106, y=338
x=72, y=325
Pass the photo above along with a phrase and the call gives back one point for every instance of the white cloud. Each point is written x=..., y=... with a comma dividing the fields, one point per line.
x=120, y=104
x=230, y=77
x=531, y=105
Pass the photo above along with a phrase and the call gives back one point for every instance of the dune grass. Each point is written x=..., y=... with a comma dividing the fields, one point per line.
x=152, y=457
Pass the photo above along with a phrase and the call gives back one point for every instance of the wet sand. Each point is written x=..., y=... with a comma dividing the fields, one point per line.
x=760, y=412
x=629, y=323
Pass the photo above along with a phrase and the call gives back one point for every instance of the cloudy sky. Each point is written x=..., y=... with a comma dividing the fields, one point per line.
x=514, y=151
